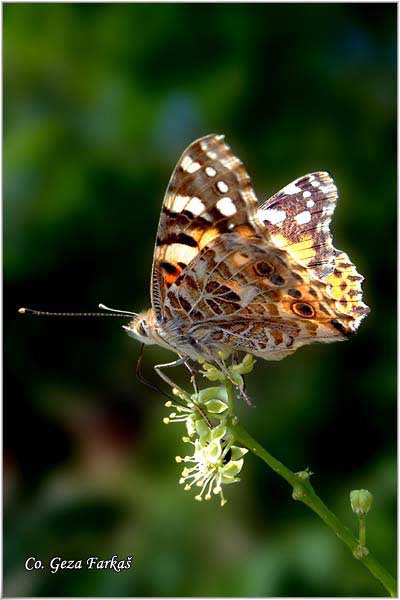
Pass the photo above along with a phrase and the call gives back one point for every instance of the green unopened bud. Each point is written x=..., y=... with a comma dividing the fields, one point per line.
x=218, y=432
x=246, y=366
x=306, y=474
x=237, y=452
x=361, y=501
x=216, y=406
x=212, y=373
x=218, y=393
x=232, y=469
x=201, y=427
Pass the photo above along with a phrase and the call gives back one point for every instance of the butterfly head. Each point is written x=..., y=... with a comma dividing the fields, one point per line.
x=142, y=327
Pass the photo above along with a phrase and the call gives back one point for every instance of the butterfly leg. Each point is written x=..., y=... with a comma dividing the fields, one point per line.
x=176, y=363
x=243, y=393
x=193, y=374
x=243, y=388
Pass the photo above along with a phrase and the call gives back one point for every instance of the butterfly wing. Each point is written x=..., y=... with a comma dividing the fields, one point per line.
x=298, y=219
x=246, y=294
x=229, y=274
x=209, y=194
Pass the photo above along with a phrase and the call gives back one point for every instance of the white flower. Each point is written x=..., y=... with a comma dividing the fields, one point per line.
x=216, y=463
x=212, y=400
x=207, y=416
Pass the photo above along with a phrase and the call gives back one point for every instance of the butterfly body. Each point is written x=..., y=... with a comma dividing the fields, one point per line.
x=229, y=274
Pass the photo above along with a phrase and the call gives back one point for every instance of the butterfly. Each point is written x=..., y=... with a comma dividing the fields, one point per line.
x=232, y=275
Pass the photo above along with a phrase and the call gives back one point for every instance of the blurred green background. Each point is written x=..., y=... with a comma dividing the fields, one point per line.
x=99, y=102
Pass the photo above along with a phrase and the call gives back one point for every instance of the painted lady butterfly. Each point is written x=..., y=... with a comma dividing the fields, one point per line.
x=231, y=275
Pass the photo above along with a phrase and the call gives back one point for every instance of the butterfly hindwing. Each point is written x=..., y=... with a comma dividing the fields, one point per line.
x=298, y=219
x=245, y=294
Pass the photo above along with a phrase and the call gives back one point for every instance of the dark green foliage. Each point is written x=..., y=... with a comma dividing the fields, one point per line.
x=99, y=101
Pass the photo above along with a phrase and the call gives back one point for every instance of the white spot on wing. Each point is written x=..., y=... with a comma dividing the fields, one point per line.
x=231, y=162
x=226, y=207
x=195, y=166
x=223, y=188
x=292, y=188
x=310, y=203
x=272, y=215
x=211, y=172
x=180, y=253
x=303, y=217
x=189, y=165
x=178, y=203
x=306, y=194
x=195, y=206
x=328, y=188
x=315, y=183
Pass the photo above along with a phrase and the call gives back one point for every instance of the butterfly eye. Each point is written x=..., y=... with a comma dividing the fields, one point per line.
x=302, y=309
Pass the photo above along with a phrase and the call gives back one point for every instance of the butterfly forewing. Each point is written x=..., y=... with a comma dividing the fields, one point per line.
x=209, y=194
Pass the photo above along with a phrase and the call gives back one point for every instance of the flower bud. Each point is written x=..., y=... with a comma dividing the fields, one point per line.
x=202, y=428
x=216, y=406
x=212, y=373
x=232, y=469
x=361, y=501
x=218, y=432
x=211, y=393
x=246, y=366
x=237, y=452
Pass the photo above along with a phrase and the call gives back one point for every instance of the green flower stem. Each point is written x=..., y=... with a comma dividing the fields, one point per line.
x=362, y=537
x=229, y=391
x=303, y=491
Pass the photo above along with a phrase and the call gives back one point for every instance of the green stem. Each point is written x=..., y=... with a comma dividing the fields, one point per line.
x=362, y=536
x=229, y=391
x=303, y=491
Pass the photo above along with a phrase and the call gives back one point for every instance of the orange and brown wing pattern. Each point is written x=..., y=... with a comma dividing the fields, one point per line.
x=298, y=219
x=344, y=286
x=228, y=274
x=209, y=194
x=246, y=294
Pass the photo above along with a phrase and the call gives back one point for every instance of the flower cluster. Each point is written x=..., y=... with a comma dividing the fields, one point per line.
x=215, y=460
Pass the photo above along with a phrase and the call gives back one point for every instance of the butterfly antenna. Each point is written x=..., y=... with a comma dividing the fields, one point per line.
x=46, y=313
x=120, y=312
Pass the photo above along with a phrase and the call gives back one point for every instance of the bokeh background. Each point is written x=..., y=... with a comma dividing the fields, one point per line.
x=99, y=102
